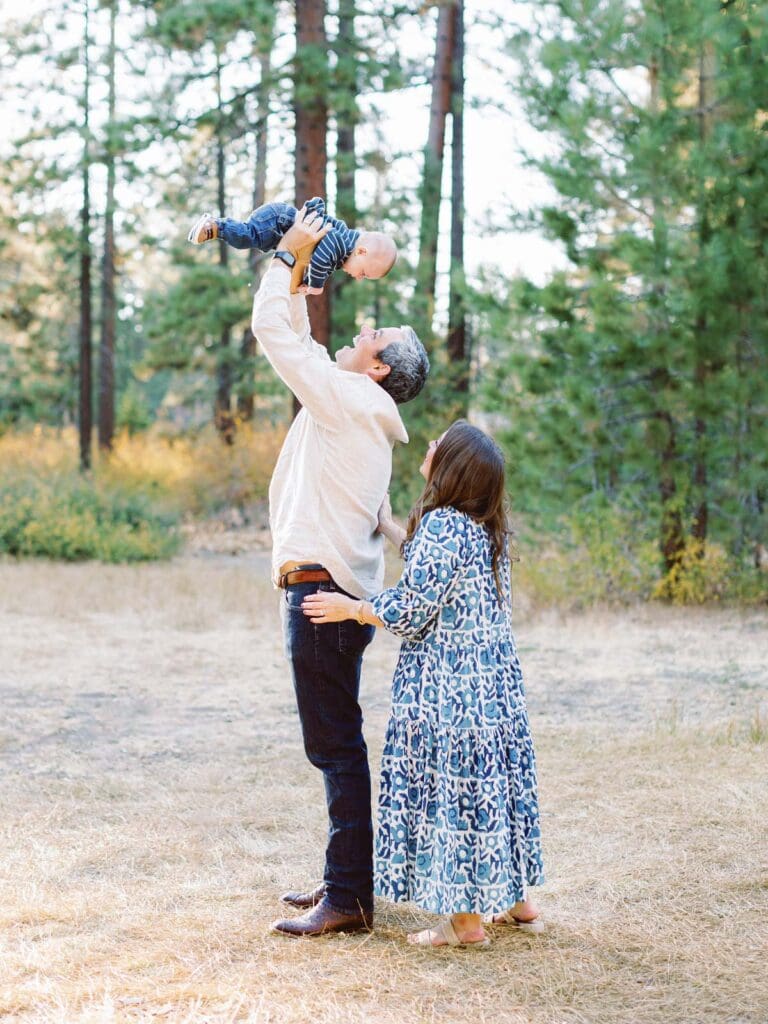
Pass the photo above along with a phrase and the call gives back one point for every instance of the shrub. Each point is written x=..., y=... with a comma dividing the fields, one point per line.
x=195, y=474
x=126, y=510
x=706, y=573
x=73, y=519
x=601, y=554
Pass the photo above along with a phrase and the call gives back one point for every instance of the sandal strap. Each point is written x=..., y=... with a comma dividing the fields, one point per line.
x=445, y=930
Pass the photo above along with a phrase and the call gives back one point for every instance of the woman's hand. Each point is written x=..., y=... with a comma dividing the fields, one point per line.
x=385, y=516
x=329, y=606
x=388, y=527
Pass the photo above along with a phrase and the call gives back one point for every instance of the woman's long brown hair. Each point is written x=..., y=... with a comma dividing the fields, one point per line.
x=467, y=474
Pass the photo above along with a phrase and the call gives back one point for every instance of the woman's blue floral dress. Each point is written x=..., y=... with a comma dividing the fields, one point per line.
x=458, y=811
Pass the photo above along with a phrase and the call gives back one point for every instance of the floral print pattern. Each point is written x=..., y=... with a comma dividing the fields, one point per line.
x=458, y=809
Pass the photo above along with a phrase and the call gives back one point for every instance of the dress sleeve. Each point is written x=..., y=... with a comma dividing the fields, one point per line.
x=435, y=559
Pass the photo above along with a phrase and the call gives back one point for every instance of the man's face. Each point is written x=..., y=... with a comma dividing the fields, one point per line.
x=362, y=355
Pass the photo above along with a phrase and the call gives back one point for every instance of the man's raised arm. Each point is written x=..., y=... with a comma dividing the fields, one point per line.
x=284, y=335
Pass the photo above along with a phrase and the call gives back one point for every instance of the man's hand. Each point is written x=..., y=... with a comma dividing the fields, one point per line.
x=304, y=234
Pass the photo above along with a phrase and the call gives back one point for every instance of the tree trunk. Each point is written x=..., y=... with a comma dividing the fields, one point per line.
x=311, y=111
x=671, y=536
x=345, y=294
x=245, y=401
x=225, y=423
x=672, y=539
x=85, y=382
x=108, y=305
x=457, y=318
x=424, y=299
x=701, y=369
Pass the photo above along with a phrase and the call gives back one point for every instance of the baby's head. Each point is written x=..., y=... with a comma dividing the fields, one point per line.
x=374, y=256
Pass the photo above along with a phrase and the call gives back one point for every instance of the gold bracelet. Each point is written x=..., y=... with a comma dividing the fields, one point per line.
x=360, y=619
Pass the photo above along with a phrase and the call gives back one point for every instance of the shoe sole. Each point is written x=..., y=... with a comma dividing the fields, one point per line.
x=532, y=927
x=195, y=229
x=348, y=930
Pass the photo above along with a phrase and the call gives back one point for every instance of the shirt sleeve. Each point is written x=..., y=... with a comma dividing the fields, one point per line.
x=281, y=326
x=434, y=562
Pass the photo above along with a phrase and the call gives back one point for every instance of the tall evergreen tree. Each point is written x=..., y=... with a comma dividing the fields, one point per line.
x=212, y=300
x=245, y=399
x=310, y=102
x=456, y=342
x=108, y=302
x=432, y=174
x=630, y=361
x=85, y=419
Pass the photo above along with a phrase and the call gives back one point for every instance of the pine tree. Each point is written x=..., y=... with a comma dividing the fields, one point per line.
x=456, y=341
x=85, y=419
x=108, y=302
x=431, y=189
x=632, y=370
x=211, y=300
x=310, y=102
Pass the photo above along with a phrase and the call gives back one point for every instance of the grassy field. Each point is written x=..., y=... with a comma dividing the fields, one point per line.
x=155, y=801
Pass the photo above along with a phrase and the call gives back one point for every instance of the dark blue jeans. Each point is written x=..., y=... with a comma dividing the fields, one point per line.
x=326, y=661
x=264, y=228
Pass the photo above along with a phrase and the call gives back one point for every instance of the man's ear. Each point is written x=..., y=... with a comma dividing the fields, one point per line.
x=379, y=372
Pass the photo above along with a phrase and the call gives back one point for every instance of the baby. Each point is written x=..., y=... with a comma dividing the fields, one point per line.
x=360, y=254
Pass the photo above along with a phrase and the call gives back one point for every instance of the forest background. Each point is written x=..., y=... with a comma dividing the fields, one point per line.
x=588, y=272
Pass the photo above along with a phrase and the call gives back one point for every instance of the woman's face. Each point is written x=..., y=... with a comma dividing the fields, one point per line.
x=426, y=467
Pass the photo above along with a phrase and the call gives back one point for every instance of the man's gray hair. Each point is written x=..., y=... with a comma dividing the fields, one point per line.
x=408, y=366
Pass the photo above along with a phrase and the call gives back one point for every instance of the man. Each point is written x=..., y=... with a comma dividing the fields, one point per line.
x=330, y=480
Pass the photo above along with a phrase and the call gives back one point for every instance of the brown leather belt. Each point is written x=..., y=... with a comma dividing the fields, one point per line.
x=287, y=579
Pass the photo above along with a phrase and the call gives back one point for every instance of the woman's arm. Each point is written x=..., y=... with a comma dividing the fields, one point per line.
x=435, y=563
x=329, y=606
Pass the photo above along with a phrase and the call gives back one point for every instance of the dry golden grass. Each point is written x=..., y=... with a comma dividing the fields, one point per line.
x=197, y=473
x=155, y=800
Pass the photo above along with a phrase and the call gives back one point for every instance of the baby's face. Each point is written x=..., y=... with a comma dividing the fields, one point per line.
x=362, y=264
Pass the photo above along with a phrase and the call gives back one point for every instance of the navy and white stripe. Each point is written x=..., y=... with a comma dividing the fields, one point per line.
x=331, y=251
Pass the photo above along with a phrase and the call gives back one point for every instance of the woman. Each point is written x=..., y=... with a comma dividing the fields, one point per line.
x=458, y=813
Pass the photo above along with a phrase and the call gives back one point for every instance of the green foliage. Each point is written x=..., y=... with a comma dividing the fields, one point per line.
x=642, y=369
x=601, y=553
x=72, y=519
x=607, y=553
x=133, y=412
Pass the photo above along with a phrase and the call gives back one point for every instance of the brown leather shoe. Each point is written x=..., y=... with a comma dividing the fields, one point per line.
x=304, y=900
x=322, y=920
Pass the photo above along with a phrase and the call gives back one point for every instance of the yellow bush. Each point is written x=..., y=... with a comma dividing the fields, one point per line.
x=198, y=473
x=42, y=450
x=598, y=556
x=699, y=576
x=194, y=474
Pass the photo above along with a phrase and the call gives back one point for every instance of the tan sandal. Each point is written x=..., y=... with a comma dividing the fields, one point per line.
x=446, y=935
x=506, y=917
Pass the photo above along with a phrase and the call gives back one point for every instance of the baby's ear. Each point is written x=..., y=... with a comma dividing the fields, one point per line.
x=361, y=251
